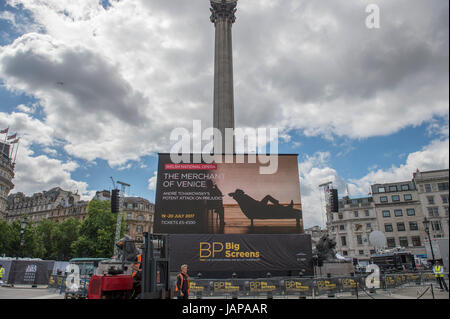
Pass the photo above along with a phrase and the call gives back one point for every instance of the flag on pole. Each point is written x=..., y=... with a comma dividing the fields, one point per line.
x=5, y=131
x=12, y=136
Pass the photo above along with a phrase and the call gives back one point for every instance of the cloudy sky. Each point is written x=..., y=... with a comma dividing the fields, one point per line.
x=95, y=87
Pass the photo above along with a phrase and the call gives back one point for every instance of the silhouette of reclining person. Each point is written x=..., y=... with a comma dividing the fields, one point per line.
x=254, y=209
x=216, y=204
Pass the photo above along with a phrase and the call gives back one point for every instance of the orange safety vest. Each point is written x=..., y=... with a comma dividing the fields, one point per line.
x=137, y=266
x=182, y=280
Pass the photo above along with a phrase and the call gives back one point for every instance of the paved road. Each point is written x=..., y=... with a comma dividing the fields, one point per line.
x=411, y=292
x=29, y=293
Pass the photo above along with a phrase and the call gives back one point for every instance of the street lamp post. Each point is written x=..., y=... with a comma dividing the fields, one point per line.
x=23, y=225
x=426, y=224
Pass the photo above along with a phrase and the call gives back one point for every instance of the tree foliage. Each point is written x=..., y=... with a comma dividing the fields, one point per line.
x=93, y=237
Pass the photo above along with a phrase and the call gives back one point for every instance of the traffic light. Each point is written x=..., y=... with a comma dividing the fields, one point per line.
x=115, y=201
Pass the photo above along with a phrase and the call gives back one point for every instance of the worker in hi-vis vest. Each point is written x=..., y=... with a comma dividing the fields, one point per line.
x=2, y=272
x=438, y=271
x=183, y=283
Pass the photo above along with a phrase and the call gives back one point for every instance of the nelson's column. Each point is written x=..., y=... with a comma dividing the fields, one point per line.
x=223, y=16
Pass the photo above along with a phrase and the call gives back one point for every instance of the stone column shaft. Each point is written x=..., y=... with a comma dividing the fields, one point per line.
x=223, y=18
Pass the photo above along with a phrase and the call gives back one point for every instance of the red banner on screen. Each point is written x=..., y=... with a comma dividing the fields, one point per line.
x=190, y=166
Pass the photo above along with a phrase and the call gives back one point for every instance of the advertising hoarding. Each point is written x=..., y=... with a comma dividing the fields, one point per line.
x=228, y=198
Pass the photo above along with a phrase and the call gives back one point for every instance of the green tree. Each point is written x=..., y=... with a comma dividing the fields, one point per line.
x=97, y=231
x=46, y=230
x=14, y=239
x=65, y=234
x=5, y=238
x=33, y=246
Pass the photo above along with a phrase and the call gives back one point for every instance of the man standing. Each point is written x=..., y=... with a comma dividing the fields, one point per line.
x=438, y=271
x=183, y=283
x=2, y=272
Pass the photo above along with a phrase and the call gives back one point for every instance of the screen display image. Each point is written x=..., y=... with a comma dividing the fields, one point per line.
x=228, y=198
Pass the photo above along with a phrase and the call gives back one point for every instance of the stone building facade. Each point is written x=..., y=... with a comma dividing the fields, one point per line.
x=398, y=210
x=351, y=227
x=6, y=177
x=433, y=192
x=55, y=204
x=400, y=216
x=139, y=215
x=58, y=205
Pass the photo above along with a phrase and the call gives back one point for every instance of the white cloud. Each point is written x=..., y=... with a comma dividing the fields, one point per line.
x=113, y=83
x=37, y=173
x=152, y=181
x=130, y=74
x=431, y=157
x=315, y=170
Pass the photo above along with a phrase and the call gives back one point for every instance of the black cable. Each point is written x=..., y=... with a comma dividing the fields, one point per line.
x=423, y=293
x=367, y=293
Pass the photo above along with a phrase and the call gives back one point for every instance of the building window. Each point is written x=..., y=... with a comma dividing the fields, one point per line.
x=436, y=225
x=369, y=226
x=340, y=216
x=344, y=241
x=405, y=187
x=446, y=210
x=416, y=241
x=410, y=212
x=383, y=199
x=341, y=227
x=344, y=253
x=386, y=213
x=413, y=226
x=139, y=229
x=381, y=190
x=444, y=199
x=356, y=213
x=388, y=228
x=361, y=252
x=403, y=241
x=393, y=188
x=428, y=188
x=443, y=186
x=372, y=251
x=367, y=213
x=128, y=216
x=390, y=242
x=140, y=218
x=407, y=197
x=401, y=227
x=398, y=213
x=395, y=198
x=359, y=240
x=430, y=200
x=433, y=212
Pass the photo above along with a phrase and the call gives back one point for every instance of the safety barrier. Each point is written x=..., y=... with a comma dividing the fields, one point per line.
x=270, y=287
x=300, y=287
